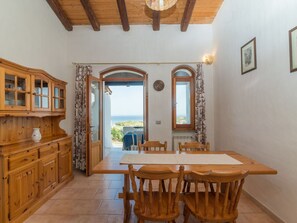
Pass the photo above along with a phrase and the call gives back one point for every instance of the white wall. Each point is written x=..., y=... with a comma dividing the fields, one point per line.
x=107, y=121
x=255, y=113
x=142, y=44
x=31, y=35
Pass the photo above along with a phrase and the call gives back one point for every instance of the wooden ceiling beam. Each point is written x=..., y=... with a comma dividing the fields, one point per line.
x=156, y=20
x=56, y=7
x=91, y=15
x=187, y=15
x=123, y=14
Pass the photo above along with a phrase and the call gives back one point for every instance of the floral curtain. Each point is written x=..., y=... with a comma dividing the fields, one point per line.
x=80, y=139
x=200, y=122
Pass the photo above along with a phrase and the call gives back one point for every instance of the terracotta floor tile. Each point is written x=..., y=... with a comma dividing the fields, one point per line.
x=116, y=184
x=255, y=218
x=96, y=177
x=111, y=207
x=52, y=219
x=113, y=177
x=69, y=193
x=89, y=184
x=106, y=194
x=74, y=207
x=247, y=206
x=45, y=207
x=102, y=219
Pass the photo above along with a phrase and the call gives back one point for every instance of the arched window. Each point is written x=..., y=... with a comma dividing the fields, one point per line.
x=183, y=98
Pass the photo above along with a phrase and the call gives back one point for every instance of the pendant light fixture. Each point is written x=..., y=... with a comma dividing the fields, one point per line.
x=160, y=5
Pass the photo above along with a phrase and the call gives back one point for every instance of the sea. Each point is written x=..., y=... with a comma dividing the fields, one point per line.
x=116, y=119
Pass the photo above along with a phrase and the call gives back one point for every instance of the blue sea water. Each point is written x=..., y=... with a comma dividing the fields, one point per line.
x=116, y=119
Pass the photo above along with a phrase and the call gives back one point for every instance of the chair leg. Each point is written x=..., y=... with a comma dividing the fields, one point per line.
x=186, y=214
x=163, y=186
x=184, y=187
x=188, y=186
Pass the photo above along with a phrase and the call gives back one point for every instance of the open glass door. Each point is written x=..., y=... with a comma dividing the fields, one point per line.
x=94, y=123
x=126, y=76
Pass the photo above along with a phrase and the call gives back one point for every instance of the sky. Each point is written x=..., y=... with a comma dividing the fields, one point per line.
x=181, y=100
x=129, y=100
x=126, y=100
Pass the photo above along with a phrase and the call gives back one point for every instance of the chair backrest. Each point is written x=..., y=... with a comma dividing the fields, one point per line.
x=220, y=204
x=152, y=146
x=151, y=201
x=193, y=146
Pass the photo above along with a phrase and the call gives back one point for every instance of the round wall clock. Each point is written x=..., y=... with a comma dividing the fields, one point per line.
x=159, y=85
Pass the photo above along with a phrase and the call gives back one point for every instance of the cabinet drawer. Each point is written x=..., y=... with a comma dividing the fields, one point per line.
x=65, y=145
x=48, y=150
x=21, y=159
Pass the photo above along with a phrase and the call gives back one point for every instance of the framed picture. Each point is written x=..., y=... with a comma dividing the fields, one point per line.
x=293, y=49
x=248, y=57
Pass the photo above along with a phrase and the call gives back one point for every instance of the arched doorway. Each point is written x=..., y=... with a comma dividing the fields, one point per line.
x=126, y=76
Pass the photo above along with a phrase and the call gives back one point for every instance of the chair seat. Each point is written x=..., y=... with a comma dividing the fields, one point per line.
x=165, y=213
x=189, y=200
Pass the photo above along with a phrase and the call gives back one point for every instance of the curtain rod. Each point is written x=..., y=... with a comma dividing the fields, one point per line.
x=121, y=63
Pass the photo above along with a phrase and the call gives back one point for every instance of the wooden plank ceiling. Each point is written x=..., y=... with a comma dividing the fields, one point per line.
x=132, y=12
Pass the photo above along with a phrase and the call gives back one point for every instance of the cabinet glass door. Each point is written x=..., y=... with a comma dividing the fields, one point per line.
x=16, y=95
x=59, y=98
x=41, y=94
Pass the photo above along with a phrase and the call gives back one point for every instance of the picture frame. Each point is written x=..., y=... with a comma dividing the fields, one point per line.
x=248, y=56
x=293, y=49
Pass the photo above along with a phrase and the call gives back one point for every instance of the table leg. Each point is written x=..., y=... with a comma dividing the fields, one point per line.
x=127, y=205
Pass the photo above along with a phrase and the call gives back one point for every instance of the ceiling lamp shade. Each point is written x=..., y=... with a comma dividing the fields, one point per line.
x=160, y=5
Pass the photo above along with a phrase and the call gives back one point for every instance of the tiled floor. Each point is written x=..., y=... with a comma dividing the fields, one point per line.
x=94, y=200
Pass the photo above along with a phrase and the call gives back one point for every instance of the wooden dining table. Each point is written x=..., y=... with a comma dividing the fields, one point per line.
x=111, y=164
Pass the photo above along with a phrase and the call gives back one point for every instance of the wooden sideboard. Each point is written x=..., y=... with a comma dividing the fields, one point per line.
x=31, y=172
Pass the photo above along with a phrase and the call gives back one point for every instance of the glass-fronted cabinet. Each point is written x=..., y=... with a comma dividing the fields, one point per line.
x=14, y=90
x=59, y=97
x=41, y=93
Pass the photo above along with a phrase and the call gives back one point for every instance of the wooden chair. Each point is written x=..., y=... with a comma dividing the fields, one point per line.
x=219, y=205
x=152, y=203
x=152, y=146
x=191, y=146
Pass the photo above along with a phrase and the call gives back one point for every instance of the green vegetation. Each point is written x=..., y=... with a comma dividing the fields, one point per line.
x=181, y=120
x=117, y=130
x=117, y=134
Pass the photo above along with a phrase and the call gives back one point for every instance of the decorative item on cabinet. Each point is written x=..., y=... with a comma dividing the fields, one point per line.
x=31, y=172
x=36, y=135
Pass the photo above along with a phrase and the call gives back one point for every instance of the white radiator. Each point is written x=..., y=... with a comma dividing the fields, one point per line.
x=181, y=138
